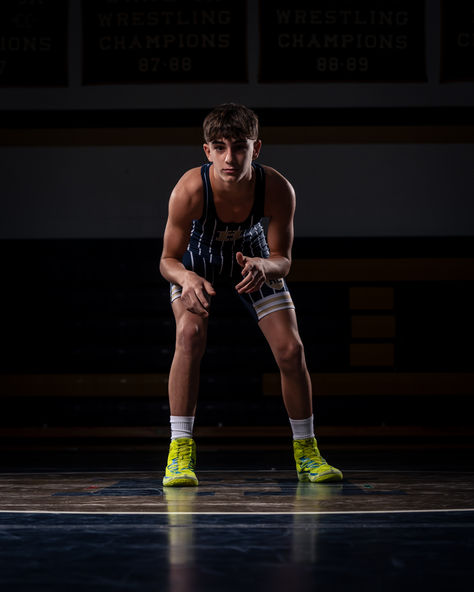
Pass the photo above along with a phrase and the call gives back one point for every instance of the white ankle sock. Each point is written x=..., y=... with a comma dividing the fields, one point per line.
x=181, y=426
x=302, y=428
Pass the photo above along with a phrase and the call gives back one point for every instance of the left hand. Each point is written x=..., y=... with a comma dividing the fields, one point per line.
x=253, y=270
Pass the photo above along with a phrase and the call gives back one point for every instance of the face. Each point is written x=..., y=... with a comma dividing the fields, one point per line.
x=232, y=158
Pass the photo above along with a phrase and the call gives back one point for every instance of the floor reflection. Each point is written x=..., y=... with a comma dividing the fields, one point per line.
x=290, y=545
x=181, y=538
x=304, y=536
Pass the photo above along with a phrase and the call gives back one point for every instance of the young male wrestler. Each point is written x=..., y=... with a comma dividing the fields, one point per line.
x=214, y=234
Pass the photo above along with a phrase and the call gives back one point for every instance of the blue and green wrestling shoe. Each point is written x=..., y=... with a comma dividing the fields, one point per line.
x=310, y=465
x=181, y=464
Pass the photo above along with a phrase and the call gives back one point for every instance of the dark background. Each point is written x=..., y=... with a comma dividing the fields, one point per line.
x=383, y=274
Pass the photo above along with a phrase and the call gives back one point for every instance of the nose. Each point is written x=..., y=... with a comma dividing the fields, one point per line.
x=229, y=156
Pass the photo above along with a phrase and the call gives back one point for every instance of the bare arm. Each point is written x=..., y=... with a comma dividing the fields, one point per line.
x=185, y=205
x=280, y=208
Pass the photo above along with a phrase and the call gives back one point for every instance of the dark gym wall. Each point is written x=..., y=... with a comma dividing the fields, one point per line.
x=383, y=267
x=347, y=185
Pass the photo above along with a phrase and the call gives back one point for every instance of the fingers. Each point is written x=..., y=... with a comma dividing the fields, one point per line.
x=241, y=260
x=252, y=272
x=246, y=264
x=197, y=298
x=252, y=281
x=203, y=301
x=197, y=304
x=209, y=288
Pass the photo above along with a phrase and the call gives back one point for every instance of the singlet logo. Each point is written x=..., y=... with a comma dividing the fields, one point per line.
x=229, y=235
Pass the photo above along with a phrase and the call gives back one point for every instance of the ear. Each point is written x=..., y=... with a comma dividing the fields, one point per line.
x=207, y=151
x=256, y=149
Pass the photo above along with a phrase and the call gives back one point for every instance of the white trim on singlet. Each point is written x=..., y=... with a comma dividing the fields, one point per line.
x=206, y=210
x=175, y=292
x=262, y=243
x=252, y=252
x=212, y=239
x=272, y=303
x=192, y=259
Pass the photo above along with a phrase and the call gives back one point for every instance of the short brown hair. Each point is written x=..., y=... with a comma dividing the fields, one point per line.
x=230, y=120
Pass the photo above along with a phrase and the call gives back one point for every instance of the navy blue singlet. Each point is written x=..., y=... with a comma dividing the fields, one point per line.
x=213, y=245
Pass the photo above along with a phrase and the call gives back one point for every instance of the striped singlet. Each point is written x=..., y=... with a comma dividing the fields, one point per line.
x=213, y=245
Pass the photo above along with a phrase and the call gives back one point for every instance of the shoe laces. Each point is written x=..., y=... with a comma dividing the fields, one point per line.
x=185, y=455
x=309, y=454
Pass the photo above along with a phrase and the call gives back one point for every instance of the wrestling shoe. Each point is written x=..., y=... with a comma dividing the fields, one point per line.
x=181, y=462
x=310, y=465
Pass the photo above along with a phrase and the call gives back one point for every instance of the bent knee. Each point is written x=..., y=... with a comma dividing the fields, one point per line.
x=191, y=338
x=290, y=355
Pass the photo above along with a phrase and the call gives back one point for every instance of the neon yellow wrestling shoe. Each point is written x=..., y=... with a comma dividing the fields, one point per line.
x=310, y=465
x=181, y=462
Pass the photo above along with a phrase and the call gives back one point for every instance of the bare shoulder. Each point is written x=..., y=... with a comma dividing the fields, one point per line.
x=190, y=184
x=279, y=191
x=187, y=195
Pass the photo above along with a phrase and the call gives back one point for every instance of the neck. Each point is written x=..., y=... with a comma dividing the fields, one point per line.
x=234, y=187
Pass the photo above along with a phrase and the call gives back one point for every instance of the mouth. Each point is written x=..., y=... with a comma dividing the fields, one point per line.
x=230, y=171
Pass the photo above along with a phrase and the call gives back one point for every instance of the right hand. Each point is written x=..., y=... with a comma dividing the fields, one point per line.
x=196, y=294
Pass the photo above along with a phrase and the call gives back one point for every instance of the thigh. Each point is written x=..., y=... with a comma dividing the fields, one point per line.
x=272, y=297
x=280, y=328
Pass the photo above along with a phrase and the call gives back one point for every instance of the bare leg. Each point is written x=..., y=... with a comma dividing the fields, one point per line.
x=191, y=333
x=281, y=331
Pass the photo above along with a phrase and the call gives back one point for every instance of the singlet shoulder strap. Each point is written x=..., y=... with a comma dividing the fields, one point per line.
x=259, y=203
x=208, y=206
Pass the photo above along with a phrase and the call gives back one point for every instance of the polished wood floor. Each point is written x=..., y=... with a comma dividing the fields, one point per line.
x=230, y=491
x=392, y=523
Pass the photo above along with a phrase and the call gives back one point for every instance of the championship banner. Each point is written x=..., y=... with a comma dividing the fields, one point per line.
x=457, y=40
x=153, y=41
x=342, y=41
x=33, y=43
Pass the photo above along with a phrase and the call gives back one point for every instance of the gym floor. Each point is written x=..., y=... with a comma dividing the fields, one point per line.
x=86, y=521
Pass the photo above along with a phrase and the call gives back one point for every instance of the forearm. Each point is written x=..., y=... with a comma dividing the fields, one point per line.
x=276, y=267
x=173, y=270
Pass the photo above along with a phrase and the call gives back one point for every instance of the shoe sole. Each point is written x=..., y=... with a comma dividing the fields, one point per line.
x=179, y=482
